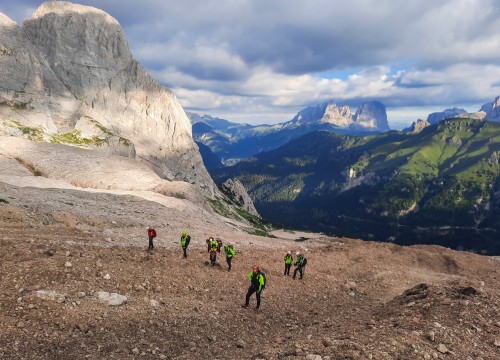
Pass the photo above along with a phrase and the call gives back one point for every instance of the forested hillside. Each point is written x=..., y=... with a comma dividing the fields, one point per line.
x=440, y=186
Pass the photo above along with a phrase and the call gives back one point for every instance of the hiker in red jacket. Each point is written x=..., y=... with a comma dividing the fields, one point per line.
x=151, y=236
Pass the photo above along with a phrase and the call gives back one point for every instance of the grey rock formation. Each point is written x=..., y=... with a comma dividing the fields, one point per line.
x=237, y=193
x=324, y=113
x=339, y=116
x=492, y=110
x=417, y=126
x=70, y=69
x=371, y=116
x=436, y=117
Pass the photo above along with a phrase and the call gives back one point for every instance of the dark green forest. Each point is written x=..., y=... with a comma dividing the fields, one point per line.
x=440, y=186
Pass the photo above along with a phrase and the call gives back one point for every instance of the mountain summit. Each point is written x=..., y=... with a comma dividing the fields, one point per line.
x=68, y=76
x=370, y=116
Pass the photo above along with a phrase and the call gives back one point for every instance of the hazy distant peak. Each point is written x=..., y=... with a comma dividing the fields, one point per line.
x=492, y=110
x=436, y=117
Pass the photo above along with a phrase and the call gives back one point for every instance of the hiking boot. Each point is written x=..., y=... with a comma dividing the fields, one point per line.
x=244, y=305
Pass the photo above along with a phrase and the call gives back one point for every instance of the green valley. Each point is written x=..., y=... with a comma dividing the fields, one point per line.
x=440, y=186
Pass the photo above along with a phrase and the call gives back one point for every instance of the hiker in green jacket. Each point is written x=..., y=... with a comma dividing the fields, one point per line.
x=299, y=265
x=257, y=284
x=229, y=250
x=288, y=262
x=185, y=240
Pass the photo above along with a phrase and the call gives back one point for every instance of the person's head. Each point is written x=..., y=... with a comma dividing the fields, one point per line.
x=297, y=253
x=211, y=238
x=230, y=245
x=289, y=252
x=184, y=233
x=255, y=268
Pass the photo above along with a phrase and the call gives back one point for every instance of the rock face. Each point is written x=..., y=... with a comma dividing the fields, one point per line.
x=436, y=117
x=417, y=126
x=370, y=116
x=69, y=70
x=235, y=190
x=492, y=110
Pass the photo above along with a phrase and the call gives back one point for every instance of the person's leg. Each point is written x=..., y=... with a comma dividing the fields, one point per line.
x=295, y=272
x=150, y=247
x=301, y=273
x=229, y=259
x=184, y=248
x=250, y=291
x=258, y=299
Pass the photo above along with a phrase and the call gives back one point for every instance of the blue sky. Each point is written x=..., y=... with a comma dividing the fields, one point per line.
x=261, y=61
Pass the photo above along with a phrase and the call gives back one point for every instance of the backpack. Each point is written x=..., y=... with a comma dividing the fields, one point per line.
x=304, y=262
x=188, y=240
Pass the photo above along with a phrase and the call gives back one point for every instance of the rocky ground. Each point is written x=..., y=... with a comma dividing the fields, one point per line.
x=358, y=300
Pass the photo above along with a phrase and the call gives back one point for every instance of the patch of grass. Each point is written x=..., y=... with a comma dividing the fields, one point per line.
x=74, y=137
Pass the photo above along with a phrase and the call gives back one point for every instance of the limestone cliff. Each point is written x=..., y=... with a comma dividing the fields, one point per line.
x=69, y=70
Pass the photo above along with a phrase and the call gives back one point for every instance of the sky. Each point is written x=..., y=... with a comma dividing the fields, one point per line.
x=262, y=61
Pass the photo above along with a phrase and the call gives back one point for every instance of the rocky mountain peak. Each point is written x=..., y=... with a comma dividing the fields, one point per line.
x=417, y=126
x=6, y=21
x=235, y=190
x=339, y=116
x=62, y=8
x=70, y=68
x=371, y=115
x=492, y=110
x=436, y=117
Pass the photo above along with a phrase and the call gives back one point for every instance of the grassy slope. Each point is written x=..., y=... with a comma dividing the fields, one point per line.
x=445, y=176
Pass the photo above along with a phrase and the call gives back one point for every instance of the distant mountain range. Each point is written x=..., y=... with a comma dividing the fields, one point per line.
x=230, y=142
x=440, y=185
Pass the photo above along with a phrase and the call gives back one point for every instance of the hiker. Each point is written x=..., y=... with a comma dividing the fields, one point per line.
x=299, y=265
x=213, y=249
x=257, y=285
x=185, y=240
x=229, y=250
x=288, y=262
x=151, y=236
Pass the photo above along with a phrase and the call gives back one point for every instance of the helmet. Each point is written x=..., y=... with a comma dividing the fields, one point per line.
x=148, y=227
x=289, y=252
x=211, y=238
x=184, y=233
x=297, y=253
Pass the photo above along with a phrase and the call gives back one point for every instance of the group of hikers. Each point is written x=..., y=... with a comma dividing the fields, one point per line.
x=256, y=276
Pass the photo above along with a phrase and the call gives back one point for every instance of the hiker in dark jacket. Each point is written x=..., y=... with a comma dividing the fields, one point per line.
x=151, y=236
x=257, y=284
x=299, y=266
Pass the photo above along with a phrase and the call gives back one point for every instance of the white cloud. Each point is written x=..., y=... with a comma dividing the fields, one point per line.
x=245, y=57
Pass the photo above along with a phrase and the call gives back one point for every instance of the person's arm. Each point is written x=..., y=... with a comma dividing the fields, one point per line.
x=261, y=283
